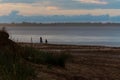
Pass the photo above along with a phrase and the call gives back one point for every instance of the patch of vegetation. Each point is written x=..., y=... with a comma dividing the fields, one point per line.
x=41, y=57
x=12, y=67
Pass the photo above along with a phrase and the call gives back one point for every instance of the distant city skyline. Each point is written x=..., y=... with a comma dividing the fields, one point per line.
x=59, y=11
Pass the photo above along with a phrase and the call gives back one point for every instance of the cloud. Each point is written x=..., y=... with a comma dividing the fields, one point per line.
x=15, y=17
x=19, y=1
x=44, y=9
x=60, y=7
x=93, y=1
x=52, y=8
x=71, y=4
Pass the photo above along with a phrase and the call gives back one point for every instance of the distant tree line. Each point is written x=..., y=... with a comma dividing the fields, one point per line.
x=58, y=24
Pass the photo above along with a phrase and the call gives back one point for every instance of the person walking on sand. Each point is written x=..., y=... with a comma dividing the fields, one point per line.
x=46, y=41
x=41, y=41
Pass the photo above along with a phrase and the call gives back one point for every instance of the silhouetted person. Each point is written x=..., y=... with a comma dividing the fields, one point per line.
x=46, y=41
x=41, y=41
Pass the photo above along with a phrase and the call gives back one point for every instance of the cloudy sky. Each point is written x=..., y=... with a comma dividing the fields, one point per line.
x=59, y=11
x=60, y=7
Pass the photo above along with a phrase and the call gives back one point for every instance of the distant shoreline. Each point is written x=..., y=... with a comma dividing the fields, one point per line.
x=69, y=46
x=57, y=24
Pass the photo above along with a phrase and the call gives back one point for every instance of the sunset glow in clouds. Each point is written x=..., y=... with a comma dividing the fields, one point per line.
x=93, y=1
x=60, y=7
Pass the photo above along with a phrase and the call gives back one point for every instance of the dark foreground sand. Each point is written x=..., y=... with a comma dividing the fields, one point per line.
x=87, y=63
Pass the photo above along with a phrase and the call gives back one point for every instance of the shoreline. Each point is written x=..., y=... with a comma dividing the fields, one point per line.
x=53, y=44
x=74, y=49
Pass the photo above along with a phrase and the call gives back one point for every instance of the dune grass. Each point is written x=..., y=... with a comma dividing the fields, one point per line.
x=41, y=57
x=12, y=67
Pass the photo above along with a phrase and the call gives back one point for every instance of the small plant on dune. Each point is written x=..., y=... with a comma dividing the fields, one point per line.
x=40, y=57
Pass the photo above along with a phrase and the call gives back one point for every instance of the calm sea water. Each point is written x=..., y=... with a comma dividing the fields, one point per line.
x=108, y=36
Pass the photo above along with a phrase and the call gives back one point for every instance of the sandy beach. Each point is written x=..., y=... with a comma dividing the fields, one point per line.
x=87, y=63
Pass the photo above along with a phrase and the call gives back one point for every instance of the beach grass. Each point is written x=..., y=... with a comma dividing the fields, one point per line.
x=12, y=67
x=42, y=57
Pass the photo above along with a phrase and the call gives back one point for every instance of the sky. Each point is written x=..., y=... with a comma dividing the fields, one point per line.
x=34, y=9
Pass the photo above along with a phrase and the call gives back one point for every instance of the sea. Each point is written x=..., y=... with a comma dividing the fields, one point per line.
x=73, y=35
